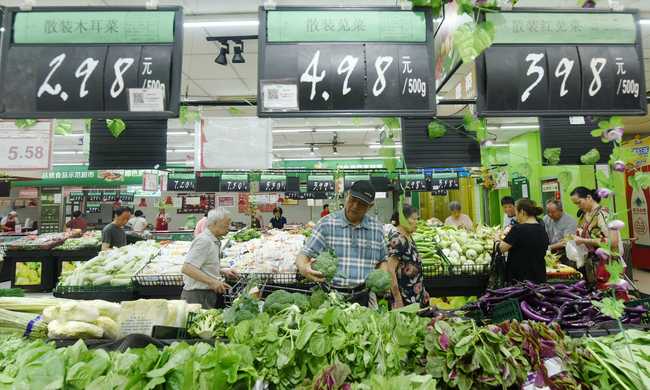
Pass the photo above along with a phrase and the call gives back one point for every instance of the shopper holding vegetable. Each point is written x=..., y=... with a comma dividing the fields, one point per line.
x=526, y=244
x=356, y=238
x=202, y=276
x=593, y=231
x=404, y=262
x=457, y=218
x=558, y=225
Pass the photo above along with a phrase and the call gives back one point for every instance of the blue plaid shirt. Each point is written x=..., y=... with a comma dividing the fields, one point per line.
x=359, y=248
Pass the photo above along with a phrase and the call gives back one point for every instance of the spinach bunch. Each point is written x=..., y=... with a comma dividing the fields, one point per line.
x=291, y=347
x=469, y=357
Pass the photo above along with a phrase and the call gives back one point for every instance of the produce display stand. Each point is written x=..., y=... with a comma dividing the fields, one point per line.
x=77, y=255
x=41, y=256
x=180, y=235
x=157, y=286
x=106, y=293
x=441, y=280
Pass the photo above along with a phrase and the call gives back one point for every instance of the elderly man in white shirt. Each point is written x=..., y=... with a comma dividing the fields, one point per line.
x=202, y=275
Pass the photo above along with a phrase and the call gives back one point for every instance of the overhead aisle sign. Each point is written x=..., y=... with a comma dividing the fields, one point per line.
x=568, y=63
x=81, y=62
x=345, y=62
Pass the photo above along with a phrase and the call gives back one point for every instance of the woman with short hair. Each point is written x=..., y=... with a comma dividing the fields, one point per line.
x=457, y=218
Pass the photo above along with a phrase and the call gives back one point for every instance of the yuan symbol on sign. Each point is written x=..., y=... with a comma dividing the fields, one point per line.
x=147, y=66
x=406, y=61
x=619, y=66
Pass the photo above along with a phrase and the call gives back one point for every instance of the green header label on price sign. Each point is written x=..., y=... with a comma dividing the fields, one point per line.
x=319, y=183
x=413, y=182
x=94, y=27
x=563, y=28
x=346, y=26
x=234, y=183
x=273, y=183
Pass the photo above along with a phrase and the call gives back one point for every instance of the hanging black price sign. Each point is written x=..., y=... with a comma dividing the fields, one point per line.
x=127, y=196
x=351, y=179
x=414, y=182
x=439, y=192
x=109, y=196
x=76, y=196
x=273, y=183
x=234, y=183
x=345, y=61
x=445, y=181
x=80, y=63
x=320, y=183
x=94, y=196
x=93, y=208
x=553, y=64
x=185, y=182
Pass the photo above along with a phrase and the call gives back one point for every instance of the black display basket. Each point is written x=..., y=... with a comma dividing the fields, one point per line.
x=42, y=256
x=158, y=286
x=442, y=280
x=106, y=293
x=81, y=254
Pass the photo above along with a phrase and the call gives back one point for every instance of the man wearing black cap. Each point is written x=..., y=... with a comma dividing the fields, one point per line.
x=357, y=239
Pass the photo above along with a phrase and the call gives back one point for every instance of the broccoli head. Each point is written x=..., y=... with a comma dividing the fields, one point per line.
x=326, y=263
x=281, y=299
x=378, y=281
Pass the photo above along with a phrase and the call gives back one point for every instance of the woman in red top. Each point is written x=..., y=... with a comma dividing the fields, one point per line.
x=9, y=222
x=326, y=211
x=161, y=222
x=77, y=222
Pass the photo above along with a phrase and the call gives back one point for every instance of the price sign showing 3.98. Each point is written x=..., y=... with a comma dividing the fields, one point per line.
x=25, y=149
x=579, y=79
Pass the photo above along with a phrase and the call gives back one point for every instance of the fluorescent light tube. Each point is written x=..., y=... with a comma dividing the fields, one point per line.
x=222, y=23
x=379, y=146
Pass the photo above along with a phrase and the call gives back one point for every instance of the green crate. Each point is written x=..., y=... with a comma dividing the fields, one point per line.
x=505, y=311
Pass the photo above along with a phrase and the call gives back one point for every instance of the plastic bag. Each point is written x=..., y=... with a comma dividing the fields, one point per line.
x=576, y=252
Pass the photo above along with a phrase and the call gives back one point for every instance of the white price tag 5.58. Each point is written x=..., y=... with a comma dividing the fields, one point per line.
x=25, y=148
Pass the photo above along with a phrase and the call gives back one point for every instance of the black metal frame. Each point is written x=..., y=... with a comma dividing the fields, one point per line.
x=262, y=43
x=481, y=69
x=176, y=66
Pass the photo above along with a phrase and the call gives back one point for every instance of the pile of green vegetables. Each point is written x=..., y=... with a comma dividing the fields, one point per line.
x=28, y=364
x=326, y=263
x=458, y=246
x=246, y=235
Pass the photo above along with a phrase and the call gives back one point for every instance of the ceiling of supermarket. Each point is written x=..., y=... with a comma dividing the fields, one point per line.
x=203, y=79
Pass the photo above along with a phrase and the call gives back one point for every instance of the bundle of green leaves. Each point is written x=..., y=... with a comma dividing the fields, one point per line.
x=291, y=346
x=466, y=356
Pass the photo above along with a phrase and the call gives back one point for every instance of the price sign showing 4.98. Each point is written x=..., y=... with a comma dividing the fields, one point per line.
x=25, y=148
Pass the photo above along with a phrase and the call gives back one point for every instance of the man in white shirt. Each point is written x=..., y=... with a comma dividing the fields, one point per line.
x=558, y=225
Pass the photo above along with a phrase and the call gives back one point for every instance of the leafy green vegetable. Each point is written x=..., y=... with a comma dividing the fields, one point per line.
x=12, y=292
x=609, y=306
x=281, y=299
x=327, y=264
x=115, y=126
x=317, y=298
x=245, y=307
x=552, y=155
x=436, y=130
x=378, y=281
x=26, y=123
x=591, y=157
x=247, y=235
x=207, y=324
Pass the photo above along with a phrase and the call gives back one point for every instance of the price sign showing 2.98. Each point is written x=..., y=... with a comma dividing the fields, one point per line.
x=25, y=149
x=371, y=76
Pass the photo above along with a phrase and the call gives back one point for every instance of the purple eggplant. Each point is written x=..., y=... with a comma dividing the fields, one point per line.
x=636, y=309
x=531, y=314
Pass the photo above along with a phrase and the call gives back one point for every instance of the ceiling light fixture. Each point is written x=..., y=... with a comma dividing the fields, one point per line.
x=223, y=23
x=180, y=133
x=380, y=146
x=221, y=58
x=324, y=130
x=237, y=58
x=293, y=149
x=311, y=151
x=644, y=21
